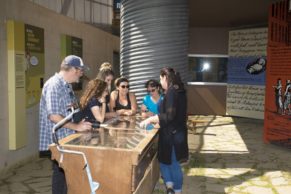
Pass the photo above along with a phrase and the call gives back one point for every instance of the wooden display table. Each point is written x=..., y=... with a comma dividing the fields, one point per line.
x=121, y=156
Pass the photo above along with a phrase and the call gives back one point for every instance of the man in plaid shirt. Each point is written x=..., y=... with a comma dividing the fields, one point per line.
x=57, y=96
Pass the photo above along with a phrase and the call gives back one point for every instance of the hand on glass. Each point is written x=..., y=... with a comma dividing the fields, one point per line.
x=128, y=113
x=144, y=123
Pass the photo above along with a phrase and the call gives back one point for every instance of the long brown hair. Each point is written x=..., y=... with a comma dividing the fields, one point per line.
x=94, y=89
x=173, y=77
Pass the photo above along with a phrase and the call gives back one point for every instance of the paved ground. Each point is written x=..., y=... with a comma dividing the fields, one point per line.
x=227, y=156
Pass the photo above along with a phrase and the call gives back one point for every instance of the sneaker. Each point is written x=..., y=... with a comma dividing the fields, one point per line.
x=170, y=191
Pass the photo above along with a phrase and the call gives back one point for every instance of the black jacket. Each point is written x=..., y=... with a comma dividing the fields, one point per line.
x=173, y=126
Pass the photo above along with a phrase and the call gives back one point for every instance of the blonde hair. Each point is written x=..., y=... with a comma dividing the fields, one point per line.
x=104, y=71
x=105, y=66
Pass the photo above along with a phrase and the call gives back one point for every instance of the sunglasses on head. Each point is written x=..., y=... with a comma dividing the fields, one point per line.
x=153, y=85
x=125, y=86
x=152, y=90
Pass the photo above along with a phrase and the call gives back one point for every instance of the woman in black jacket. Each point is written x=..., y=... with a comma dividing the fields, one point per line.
x=173, y=145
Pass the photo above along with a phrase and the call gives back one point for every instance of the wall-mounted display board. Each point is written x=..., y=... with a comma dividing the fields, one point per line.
x=277, y=123
x=72, y=46
x=278, y=97
x=34, y=55
x=25, y=45
x=246, y=73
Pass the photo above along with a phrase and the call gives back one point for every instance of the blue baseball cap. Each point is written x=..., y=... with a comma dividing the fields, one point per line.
x=75, y=61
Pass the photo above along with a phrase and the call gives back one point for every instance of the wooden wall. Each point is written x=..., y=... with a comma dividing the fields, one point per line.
x=206, y=99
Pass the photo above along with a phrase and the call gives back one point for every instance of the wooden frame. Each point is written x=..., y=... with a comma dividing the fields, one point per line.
x=123, y=170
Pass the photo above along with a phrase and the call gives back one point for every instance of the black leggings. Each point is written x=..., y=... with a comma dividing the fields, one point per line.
x=59, y=184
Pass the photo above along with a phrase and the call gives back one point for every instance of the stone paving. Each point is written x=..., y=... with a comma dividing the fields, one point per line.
x=29, y=178
x=228, y=156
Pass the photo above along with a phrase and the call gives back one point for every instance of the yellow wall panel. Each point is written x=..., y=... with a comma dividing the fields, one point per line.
x=16, y=85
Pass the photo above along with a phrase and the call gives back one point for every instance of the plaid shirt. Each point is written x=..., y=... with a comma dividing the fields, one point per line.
x=55, y=98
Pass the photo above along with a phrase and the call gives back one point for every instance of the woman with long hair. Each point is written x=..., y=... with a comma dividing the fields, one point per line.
x=121, y=100
x=93, y=102
x=106, y=74
x=172, y=145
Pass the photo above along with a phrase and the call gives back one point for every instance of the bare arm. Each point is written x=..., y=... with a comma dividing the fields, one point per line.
x=110, y=114
x=112, y=104
x=133, y=103
x=151, y=120
x=99, y=112
x=133, y=107
x=81, y=126
x=143, y=108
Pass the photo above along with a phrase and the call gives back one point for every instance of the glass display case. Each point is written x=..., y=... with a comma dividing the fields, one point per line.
x=119, y=132
x=121, y=156
x=111, y=138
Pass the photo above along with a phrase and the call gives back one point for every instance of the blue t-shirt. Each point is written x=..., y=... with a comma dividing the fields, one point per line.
x=152, y=106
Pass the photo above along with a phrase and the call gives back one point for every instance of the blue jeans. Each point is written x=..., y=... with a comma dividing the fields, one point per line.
x=172, y=174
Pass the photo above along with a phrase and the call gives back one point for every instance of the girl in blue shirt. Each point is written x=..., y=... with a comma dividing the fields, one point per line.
x=152, y=100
